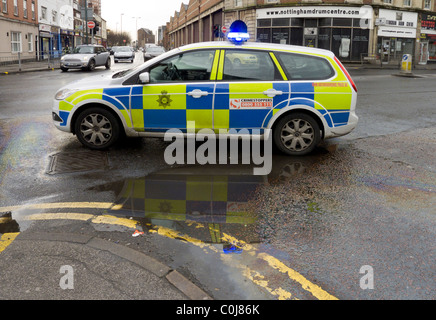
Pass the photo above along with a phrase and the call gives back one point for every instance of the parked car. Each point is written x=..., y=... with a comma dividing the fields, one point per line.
x=124, y=54
x=303, y=95
x=86, y=57
x=152, y=52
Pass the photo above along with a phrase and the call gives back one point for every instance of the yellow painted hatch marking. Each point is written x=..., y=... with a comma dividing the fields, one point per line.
x=6, y=239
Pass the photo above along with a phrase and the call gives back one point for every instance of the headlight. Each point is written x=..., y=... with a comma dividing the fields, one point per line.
x=85, y=58
x=63, y=58
x=65, y=93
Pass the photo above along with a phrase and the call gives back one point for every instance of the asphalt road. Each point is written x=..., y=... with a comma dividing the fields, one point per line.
x=353, y=220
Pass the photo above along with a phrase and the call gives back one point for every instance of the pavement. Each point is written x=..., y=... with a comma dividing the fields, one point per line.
x=55, y=265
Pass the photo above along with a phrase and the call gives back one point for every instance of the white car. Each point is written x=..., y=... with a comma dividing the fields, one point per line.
x=301, y=95
x=86, y=57
x=124, y=54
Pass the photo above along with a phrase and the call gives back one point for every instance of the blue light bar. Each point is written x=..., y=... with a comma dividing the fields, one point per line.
x=238, y=32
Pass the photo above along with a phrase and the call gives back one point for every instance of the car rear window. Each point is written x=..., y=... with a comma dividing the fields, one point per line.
x=304, y=67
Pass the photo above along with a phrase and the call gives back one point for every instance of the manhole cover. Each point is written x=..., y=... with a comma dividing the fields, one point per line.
x=77, y=162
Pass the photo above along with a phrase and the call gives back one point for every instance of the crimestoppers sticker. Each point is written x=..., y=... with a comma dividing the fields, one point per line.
x=251, y=103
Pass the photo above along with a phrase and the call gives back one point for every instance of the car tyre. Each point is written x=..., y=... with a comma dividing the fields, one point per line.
x=296, y=134
x=91, y=65
x=64, y=69
x=97, y=128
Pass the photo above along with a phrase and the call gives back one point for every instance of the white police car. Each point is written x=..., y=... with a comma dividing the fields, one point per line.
x=302, y=94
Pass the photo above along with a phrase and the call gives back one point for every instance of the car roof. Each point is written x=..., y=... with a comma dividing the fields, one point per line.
x=257, y=45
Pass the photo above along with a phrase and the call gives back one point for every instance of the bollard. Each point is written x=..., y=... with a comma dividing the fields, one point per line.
x=406, y=64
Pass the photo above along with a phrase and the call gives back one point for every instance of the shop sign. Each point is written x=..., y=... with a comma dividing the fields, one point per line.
x=364, y=12
x=397, y=24
x=428, y=22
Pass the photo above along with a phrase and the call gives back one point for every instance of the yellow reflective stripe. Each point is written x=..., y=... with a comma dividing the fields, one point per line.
x=215, y=65
x=79, y=96
x=221, y=66
x=278, y=66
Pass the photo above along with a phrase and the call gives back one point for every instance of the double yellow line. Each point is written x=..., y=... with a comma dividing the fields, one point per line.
x=282, y=294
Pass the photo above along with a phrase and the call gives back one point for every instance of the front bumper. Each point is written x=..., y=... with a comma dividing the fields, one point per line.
x=74, y=65
x=60, y=118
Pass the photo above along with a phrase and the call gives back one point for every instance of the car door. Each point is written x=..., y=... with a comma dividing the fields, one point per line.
x=100, y=57
x=180, y=92
x=250, y=84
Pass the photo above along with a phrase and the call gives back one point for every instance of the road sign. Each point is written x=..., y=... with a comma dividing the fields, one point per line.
x=91, y=24
x=223, y=29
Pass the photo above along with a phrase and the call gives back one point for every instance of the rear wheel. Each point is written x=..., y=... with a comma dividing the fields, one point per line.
x=97, y=128
x=297, y=134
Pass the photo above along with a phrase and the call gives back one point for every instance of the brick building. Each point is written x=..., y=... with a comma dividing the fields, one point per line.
x=18, y=29
x=379, y=31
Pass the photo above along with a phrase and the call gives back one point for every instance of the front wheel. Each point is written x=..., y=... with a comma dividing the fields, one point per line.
x=97, y=128
x=297, y=134
x=91, y=65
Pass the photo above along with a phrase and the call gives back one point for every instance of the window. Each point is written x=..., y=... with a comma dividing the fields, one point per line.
x=427, y=4
x=16, y=7
x=16, y=42
x=304, y=67
x=33, y=10
x=30, y=42
x=43, y=13
x=407, y=3
x=387, y=1
x=238, y=3
x=25, y=8
x=249, y=65
x=190, y=66
x=5, y=6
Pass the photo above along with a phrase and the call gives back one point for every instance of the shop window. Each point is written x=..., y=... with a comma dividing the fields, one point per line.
x=297, y=22
x=342, y=22
x=325, y=22
x=264, y=23
x=310, y=23
x=324, y=36
x=280, y=35
x=296, y=36
x=283, y=22
x=264, y=35
x=341, y=43
x=360, y=43
x=304, y=67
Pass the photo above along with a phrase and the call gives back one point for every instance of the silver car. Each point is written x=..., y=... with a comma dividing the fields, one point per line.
x=153, y=51
x=86, y=57
x=124, y=54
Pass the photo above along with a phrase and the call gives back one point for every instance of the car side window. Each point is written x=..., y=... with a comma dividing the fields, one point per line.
x=304, y=67
x=188, y=66
x=249, y=65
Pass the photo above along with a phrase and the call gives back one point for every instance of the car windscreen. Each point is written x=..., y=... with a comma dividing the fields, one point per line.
x=155, y=50
x=123, y=49
x=83, y=50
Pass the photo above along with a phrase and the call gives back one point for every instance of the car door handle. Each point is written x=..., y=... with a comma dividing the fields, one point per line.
x=272, y=93
x=197, y=93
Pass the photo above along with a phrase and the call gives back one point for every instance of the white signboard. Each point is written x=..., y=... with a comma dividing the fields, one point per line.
x=397, y=24
x=364, y=12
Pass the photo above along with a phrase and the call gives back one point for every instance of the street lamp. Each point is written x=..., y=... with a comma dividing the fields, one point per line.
x=122, y=24
x=136, y=30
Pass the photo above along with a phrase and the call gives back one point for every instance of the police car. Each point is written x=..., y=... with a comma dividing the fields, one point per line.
x=303, y=95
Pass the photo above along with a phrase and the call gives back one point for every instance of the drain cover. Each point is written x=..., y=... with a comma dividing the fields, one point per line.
x=77, y=162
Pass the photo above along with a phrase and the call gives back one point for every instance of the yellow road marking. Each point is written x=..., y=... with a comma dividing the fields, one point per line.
x=60, y=205
x=6, y=239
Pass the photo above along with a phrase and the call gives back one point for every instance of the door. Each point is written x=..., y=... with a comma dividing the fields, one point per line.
x=423, y=53
x=180, y=92
x=248, y=91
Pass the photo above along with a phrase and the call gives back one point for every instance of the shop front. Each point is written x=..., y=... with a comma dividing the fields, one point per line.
x=427, y=50
x=344, y=30
x=396, y=35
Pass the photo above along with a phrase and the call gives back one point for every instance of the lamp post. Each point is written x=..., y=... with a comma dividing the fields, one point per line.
x=136, y=30
x=122, y=24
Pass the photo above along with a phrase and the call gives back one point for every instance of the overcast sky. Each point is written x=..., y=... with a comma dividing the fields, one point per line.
x=153, y=13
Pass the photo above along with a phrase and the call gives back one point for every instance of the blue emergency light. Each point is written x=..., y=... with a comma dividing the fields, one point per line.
x=238, y=32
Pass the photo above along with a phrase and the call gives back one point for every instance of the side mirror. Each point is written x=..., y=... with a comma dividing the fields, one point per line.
x=144, y=77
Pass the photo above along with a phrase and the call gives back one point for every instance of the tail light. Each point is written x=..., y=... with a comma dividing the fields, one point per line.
x=347, y=74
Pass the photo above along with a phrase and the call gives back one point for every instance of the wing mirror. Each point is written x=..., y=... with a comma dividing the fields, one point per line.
x=144, y=77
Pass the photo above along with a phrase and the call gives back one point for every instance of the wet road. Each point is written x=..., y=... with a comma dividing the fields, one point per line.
x=305, y=231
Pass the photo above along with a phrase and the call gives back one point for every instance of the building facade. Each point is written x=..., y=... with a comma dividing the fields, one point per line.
x=18, y=29
x=378, y=31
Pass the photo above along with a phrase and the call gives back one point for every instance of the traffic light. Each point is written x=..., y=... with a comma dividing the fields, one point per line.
x=217, y=30
x=97, y=27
